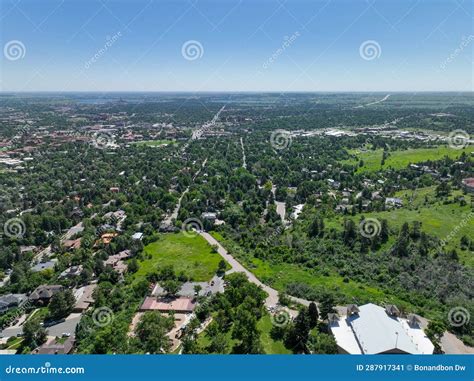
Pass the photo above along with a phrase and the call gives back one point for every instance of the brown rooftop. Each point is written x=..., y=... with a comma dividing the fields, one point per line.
x=181, y=304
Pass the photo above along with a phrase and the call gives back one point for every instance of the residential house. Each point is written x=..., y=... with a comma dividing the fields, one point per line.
x=44, y=293
x=468, y=184
x=117, y=261
x=393, y=202
x=137, y=236
x=71, y=272
x=72, y=244
x=44, y=265
x=84, y=298
x=180, y=304
x=9, y=301
x=55, y=347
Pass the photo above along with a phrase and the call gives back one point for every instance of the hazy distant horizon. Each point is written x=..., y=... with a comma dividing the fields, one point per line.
x=105, y=92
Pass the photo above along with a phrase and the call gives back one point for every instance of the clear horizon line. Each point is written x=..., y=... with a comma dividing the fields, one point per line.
x=232, y=91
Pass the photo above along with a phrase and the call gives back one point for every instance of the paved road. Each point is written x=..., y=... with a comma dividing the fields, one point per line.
x=67, y=326
x=272, y=299
x=452, y=345
x=174, y=216
x=244, y=158
x=280, y=206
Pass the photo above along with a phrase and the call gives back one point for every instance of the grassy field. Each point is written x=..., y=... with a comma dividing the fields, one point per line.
x=422, y=196
x=155, y=143
x=437, y=220
x=401, y=159
x=269, y=345
x=280, y=275
x=192, y=255
x=14, y=343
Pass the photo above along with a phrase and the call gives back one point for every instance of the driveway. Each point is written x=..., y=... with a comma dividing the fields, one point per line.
x=67, y=326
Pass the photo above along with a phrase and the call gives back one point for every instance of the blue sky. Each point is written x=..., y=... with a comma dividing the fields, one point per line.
x=241, y=45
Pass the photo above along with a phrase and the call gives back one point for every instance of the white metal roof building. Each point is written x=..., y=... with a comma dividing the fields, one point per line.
x=373, y=330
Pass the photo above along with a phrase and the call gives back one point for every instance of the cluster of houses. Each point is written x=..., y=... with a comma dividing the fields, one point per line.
x=40, y=297
x=44, y=260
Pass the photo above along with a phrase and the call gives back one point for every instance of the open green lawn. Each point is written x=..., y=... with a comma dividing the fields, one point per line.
x=155, y=143
x=401, y=159
x=192, y=255
x=40, y=314
x=14, y=343
x=423, y=196
x=270, y=346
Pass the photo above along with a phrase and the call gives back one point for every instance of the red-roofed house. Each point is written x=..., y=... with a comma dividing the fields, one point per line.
x=468, y=184
x=179, y=305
